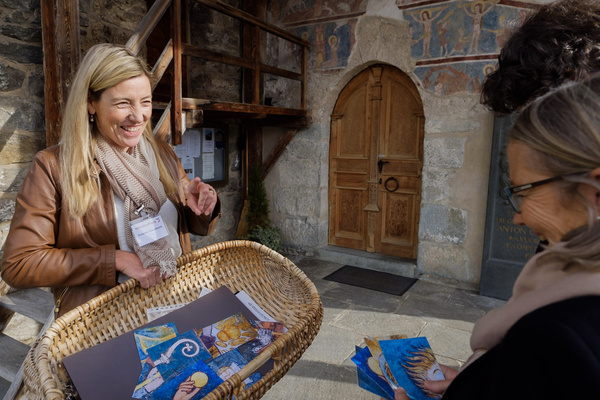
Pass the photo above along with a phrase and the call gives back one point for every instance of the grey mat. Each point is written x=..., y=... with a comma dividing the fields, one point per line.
x=374, y=280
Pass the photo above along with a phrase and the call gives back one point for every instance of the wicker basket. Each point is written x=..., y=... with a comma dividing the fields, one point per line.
x=273, y=281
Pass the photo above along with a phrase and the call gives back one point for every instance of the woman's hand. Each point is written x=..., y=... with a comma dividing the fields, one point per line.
x=438, y=387
x=131, y=265
x=202, y=198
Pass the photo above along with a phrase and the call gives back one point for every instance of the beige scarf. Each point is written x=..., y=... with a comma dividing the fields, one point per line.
x=544, y=280
x=134, y=177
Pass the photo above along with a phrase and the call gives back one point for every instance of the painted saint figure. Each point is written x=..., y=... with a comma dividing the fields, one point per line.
x=477, y=13
x=426, y=19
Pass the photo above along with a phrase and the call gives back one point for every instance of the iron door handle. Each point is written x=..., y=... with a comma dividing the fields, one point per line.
x=380, y=165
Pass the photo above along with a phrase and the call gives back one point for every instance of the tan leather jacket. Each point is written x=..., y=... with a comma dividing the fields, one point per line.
x=47, y=248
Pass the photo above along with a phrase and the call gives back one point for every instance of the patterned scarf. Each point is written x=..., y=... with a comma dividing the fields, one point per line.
x=134, y=177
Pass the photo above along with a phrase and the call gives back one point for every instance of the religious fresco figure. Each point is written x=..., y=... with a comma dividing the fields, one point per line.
x=334, y=44
x=476, y=11
x=425, y=19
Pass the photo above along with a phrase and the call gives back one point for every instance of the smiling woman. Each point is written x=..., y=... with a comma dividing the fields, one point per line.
x=77, y=220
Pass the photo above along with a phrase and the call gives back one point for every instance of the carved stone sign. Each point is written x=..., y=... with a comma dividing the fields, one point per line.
x=507, y=246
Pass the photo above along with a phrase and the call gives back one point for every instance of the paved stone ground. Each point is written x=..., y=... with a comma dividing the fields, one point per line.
x=443, y=313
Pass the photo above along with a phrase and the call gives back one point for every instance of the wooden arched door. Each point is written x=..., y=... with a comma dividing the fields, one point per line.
x=375, y=164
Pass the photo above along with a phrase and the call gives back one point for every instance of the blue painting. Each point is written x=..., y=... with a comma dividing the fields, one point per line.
x=195, y=382
x=369, y=374
x=411, y=362
x=230, y=363
x=175, y=355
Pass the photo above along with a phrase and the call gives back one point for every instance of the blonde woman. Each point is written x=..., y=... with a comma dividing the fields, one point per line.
x=109, y=201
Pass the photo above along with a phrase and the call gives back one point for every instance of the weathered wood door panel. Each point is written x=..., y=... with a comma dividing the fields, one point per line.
x=376, y=158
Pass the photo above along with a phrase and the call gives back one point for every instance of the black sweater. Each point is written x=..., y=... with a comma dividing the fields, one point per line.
x=551, y=353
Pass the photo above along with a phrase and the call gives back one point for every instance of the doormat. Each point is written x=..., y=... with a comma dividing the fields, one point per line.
x=374, y=280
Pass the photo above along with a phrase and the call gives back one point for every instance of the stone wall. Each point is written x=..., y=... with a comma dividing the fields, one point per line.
x=22, y=128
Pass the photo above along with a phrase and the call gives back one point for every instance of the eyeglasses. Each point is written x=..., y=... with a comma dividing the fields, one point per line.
x=516, y=200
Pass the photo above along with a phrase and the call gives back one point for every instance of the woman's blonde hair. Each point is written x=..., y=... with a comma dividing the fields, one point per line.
x=563, y=129
x=103, y=66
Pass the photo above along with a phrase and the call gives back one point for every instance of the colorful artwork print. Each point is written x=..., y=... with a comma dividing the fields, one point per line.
x=379, y=358
x=195, y=382
x=175, y=355
x=251, y=349
x=231, y=363
x=268, y=332
x=146, y=338
x=228, y=334
x=369, y=374
x=412, y=361
x=150, y=337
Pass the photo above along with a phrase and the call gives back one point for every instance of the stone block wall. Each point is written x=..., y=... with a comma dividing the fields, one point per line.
x=22, y=127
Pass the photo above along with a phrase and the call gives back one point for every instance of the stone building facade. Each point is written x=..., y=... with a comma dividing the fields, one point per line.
x=446, y=59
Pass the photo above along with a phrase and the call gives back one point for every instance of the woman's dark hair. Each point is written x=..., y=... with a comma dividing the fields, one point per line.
x=557, y=43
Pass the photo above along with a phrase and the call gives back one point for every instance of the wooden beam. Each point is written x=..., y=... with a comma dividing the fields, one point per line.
x=224, y=106
x=277, y=151
x=254, y=144
x=60, y=37
x=162, y=63
x=256, y=82
x=147, y=25
x=162, y=130
x=268, y=69
x=176, y=108
x=304, y=71
x=211, y=55
x=249, y=18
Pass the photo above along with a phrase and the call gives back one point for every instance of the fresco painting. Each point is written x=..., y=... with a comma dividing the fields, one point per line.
x=453, y=42
x=464, y=28
x=294, y=11
x=331, y=42
x=449, y=78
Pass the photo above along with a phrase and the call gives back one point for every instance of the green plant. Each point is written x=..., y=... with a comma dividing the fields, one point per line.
x=270, y=236
x=260, y=228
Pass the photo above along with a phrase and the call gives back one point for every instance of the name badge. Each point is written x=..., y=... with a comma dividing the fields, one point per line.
x=148, y=230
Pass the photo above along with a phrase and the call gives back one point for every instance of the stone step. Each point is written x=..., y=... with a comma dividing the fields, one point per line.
x=34, y=303
x=13, y=353
x=373, y=261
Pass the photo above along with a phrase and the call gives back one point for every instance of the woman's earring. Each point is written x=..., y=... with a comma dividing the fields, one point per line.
x=91, y=117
